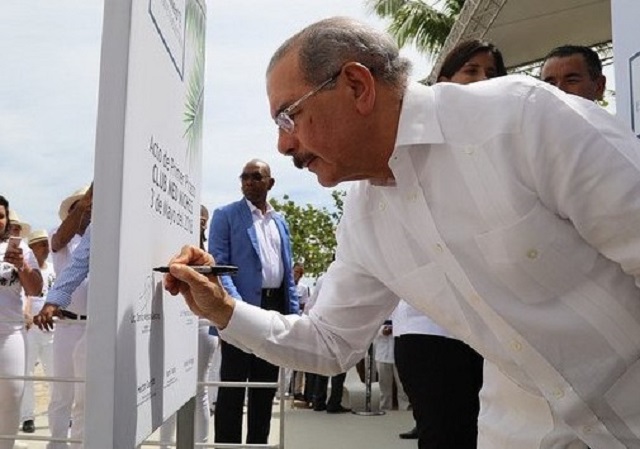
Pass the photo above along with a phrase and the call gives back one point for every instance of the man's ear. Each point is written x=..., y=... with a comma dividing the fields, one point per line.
x=362, y=84
x=602, y=84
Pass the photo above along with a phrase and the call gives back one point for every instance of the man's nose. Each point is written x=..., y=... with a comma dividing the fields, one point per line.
x=287, y=143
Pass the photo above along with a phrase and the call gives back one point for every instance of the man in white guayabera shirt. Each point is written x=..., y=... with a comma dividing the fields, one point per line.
x=506, y=210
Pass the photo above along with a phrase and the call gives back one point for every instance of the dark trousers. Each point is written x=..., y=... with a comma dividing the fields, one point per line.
x=239, y=366
x=309, y=386
x=320, y=391
x=442, y=378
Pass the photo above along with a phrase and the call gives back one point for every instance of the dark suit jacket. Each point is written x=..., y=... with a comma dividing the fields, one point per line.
x=233, y=241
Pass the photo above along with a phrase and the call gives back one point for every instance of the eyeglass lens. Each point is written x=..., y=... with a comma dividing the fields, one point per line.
x=251, y=176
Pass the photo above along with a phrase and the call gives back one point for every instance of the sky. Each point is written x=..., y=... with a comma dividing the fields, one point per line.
x=49, y=89
x=50, y=53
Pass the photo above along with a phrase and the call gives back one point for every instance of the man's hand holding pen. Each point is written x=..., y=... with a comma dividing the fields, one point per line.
x=204, y=295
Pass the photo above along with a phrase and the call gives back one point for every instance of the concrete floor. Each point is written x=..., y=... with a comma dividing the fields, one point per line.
x=306, y=429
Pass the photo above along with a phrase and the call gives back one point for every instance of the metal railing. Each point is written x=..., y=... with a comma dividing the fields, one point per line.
x=185, y=416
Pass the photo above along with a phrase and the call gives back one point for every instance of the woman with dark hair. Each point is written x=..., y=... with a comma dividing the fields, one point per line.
x=471, y=61
x=443, y=376
x=18, y=270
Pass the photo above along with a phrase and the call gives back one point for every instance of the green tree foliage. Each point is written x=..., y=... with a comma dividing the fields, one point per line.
x=426, y=25
x=313, y=231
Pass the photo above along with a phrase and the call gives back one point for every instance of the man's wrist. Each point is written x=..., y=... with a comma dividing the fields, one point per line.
x=226, y=312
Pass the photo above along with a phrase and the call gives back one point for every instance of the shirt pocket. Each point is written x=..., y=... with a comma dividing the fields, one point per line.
x=427, y=289
x=539, y=257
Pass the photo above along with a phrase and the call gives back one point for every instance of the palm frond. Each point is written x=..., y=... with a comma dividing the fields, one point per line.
x=415, y=21
x=194, y=101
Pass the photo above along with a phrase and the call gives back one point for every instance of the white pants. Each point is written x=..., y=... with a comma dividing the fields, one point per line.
x=39, y=348
x=214, y=371
x=207, y=345
x=12, y=363
x=68, y=336
x=77, y=412
x=298, y=382
x=288, y=378
x=387, y=372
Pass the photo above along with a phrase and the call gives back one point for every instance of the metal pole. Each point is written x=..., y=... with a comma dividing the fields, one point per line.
x=282, y=401
x=368, y=378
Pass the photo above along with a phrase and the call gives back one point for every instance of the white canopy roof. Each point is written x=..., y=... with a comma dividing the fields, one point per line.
x=525, y=30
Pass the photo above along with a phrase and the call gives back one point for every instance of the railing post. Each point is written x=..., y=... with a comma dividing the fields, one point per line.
x=368, y=379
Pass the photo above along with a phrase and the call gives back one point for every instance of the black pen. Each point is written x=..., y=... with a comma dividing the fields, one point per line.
x=205, y=269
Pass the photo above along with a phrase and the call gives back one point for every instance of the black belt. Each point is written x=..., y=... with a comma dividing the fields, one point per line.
x=271, y=292
x=72, y=316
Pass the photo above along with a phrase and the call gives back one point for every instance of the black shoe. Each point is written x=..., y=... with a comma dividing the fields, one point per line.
x=319, y=407
x=410, y=435
x=299, y=397
x=340, y=409
x=28, y=426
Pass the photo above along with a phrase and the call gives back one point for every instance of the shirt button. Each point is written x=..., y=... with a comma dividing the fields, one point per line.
x=412, y=196
x=558, y=393
x=469, y=150
x=532, y=254
x=587, y=429
x=516, y=346
x=382, y=205
x=439, y=248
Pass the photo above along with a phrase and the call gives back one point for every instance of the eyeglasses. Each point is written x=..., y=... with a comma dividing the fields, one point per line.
x=252, y=176
x=284, y=120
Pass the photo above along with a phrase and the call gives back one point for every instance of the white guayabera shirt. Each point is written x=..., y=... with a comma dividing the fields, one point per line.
x=514, y=223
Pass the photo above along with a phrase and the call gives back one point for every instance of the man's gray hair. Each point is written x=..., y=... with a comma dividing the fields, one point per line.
x=325, y=46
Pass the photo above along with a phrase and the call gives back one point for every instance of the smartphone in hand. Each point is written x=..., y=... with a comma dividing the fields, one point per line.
x=14, y=243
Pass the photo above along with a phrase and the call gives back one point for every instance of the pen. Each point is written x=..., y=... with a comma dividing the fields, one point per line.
x=205, y=269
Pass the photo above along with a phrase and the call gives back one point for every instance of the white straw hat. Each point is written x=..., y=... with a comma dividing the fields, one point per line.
x=37, y=236
x=15, y=218
x=68, y=202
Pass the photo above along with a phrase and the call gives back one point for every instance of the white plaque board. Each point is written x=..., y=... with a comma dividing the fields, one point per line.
x=626, y=48
x=142, y=343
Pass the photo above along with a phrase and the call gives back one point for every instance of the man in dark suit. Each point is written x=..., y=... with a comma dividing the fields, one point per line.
x=251, y=235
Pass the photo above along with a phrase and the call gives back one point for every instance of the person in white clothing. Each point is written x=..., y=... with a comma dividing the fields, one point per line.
x=69, y=357
x=442, y=377
x=387, y=371
x=39, y=345
x=18, y=270
x=17, y=227
x=298, y=379
x=505, y=210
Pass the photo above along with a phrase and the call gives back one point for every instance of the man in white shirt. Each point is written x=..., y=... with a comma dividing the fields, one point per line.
x=39, y=345
x=507, y=211
x=68, y=353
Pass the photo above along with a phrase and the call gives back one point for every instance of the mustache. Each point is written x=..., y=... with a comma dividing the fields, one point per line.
x=300, y=160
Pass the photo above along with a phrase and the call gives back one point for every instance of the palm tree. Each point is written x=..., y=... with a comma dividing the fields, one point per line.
x=426, y=26
x=195, y=24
